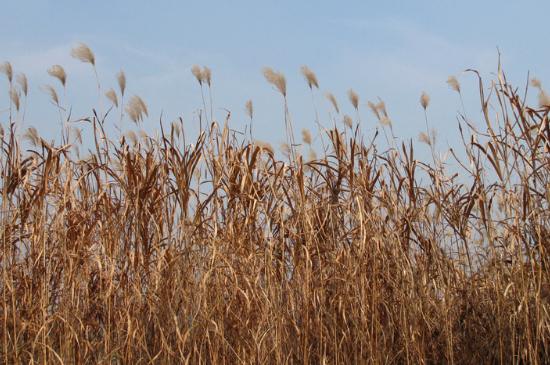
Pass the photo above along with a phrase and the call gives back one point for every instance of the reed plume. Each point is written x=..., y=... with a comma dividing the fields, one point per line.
x=275, y=78
x=353, y=98
x=59, y=73
x=83, y=53
x=8, y=70
x=309, y=76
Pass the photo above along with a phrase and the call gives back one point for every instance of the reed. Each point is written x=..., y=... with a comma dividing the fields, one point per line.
x=161, y=251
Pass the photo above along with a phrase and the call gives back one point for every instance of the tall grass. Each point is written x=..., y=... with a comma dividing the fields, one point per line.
x=158, y=250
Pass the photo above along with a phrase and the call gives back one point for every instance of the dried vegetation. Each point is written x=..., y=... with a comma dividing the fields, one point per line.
x=160, y=251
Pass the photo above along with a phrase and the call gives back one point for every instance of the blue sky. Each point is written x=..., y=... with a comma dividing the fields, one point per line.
x=394, y=50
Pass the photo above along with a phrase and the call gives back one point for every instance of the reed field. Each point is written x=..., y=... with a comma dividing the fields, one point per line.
x=162, y=249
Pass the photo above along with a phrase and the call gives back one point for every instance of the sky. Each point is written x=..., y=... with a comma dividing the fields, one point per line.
x=392, y=50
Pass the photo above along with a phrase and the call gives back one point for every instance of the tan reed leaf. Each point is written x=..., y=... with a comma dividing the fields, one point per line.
x=59, y=73
x=82, y=53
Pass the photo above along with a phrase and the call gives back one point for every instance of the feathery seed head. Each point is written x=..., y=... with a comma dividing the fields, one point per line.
x=348, y=122
x=423, y=137
x=425, y=100
x=353, y=98
x=143, y=135
x=135, y=109
x=385, y=121
x=76, y=134
x=59, y=73
x=310, y=77
x=338, y=141
x=196, y=71
x=275, y=78
x=197, y=174
x=6, y=68
x=306, y=137
x=544, y=99
x=433, y=134
x=332, y=99
x=374, y=108
x=249, y=109
x=535, y=83
x=131, y=136
x=111, y=95
x=121, y=78
x=51, y=91
x=206, y=75
x=176, y=128
x=31, y=135
x=142, y=105
x=381, y=106
x=14, y=95
x=312, y=155
x=22, y=81
x=264, y=145
x=285, y=149
x=453, y=83
x=82, y=53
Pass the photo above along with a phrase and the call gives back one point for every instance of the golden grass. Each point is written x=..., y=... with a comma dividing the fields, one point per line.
x=124, y=257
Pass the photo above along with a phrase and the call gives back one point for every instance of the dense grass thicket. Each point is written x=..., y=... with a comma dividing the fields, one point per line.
x=160, y=250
